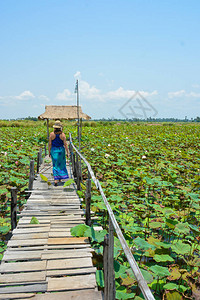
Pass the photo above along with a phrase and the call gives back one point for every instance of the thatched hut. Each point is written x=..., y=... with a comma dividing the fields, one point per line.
x=62, y=112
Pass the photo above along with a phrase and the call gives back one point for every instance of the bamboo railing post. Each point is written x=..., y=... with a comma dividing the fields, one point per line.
x=88, y=200
x=40, y=156
x=47, y=129
x=70, y=152
x=31, y=175
x=13, y=208
x=108, y=264
x=111, y=272
x=39, y=159
x=78, y=175
x=45, y=149
x=38, y=162
x=74, y=165
x=105, y=266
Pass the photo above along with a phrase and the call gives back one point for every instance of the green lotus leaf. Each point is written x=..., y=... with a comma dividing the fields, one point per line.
x=155, y=224
x=68, y=182
x=100, y=278
x=160, y=271
x=170, y=286
x=96, y=236
x=163, y=245
x=34, y=220
x=44, y=178
x=181, y=248
x=142, y=244
x=162, y=258
x=174, y=296
x=79, y=230
x=182, y=228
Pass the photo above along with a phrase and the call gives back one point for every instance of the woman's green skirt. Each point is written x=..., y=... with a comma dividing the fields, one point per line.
x=59, y=163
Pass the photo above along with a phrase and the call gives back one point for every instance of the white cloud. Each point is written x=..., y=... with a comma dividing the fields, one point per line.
x=43, y=97
x=24, y=96
x=66, y=95
x=88, y=91
x=77, y=75
x=183, y=93
x=121, y=93
x=177, y=94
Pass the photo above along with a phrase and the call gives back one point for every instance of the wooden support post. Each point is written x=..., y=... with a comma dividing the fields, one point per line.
x=78, y=175
x=13, y=208
x=81, y=124
x=88, y=200
x=71, y=154
x=74, y=165
x=31, y=175
x=108, y=264
x=38, y=162
x=40, y=156
x=47, y=129
x=45, y=149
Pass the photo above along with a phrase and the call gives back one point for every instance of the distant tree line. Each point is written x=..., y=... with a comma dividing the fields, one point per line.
x=197, y=119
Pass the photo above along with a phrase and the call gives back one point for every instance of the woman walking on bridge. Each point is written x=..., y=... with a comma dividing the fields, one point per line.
x=57, y=147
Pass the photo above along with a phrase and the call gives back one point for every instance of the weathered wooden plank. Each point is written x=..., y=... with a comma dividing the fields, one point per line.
x=14, y=243
x=48, y=213
x=64, y=241
x=27, y=248
x=23, y=277
x=50, y=218
x=43, y=235
x=53, y=234
x=40, y=287
x=69, y=225
x=28, y=225
x=66, y=254
x=61, y=229
x=30, y=230
x=63, y=222
x=25, y=221
x=21, y=255
x=72, y=283
x=69, y=263
x=17, y=296
x=70, y=246
x=51, y=207
x=75, y=295
x=68, y=272
x=23, y=266
x=52, y=196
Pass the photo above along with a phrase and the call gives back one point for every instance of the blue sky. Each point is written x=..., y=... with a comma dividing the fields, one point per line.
x=115, y=49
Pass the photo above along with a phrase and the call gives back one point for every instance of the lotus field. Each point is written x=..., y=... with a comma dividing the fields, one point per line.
x=150, y=174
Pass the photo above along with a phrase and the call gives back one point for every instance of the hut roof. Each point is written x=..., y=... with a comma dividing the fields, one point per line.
x=66, y=112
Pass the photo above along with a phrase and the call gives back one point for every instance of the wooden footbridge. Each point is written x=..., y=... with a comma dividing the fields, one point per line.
x=43, y=261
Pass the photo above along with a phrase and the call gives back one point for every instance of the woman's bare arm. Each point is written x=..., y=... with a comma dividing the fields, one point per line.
x=50, y=143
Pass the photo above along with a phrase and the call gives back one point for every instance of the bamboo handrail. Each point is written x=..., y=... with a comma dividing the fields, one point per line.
x=133, y=264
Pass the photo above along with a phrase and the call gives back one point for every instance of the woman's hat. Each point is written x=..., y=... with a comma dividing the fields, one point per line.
x=57, y=124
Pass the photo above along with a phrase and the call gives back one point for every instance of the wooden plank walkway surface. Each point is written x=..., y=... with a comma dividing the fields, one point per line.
x=43, y=261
